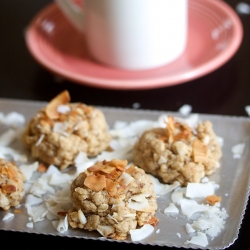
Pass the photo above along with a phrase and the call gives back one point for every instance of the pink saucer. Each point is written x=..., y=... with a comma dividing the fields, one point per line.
x=215, y=34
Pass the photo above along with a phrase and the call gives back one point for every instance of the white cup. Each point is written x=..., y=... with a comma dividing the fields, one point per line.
x=131, y=34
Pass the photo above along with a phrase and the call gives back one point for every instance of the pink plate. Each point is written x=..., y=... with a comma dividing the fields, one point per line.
x=215, y=34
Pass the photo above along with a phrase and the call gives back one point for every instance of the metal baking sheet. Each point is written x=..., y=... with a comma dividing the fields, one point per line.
x=233, y=177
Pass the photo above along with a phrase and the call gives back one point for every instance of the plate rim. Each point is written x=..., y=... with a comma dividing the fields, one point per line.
x=138, y=84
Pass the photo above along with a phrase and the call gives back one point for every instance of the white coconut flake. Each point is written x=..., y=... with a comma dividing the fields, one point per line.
x=29, y=169
x=81, y=217
x=8, y=216
x=12, y=119
x=30, y=225
x=63, y=225
x=178, y=195
x=61, y=128
x=238, y=150
x=59, y=179
x=125, y=179
x=81, y=158
x=220, y=141
x=41, y=187
x=189, y=228
x=162, y=189
x=37, y=213
x=138, y=202
x=63, y=109
x=192, y=121
x=8, y=137
x=141, y=233
x=205, y=179
x=7, y=152
x=171, y=208
x=61, y=200
x=33, y=200
x=189, y=207
x=105, y=230
x=186, y=109
x=178, y=234
x=200, y=239
x=40, y=140
x=195, y=190
x=56, y=209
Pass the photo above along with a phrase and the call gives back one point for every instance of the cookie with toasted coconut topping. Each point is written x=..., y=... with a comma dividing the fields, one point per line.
x=59, y=131
x=179, y=152
x=112, y=198
x=11, y=184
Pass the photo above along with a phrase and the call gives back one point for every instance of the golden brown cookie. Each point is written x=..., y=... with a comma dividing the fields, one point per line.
x=179, y=153
x=59, y=131
x=112, y=198
x=11, y=184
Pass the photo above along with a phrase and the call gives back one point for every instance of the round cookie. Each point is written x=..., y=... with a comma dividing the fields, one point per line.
x=59, y=131
x=113, y=199
x=178, y=153
x=11, y=184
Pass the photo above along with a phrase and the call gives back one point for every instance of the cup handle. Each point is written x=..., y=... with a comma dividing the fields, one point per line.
x=73, y=12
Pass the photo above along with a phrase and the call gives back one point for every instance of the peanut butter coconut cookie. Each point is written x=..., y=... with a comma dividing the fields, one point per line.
x=113, y=199
x=11, y=185
x=59, y=131
x=178, y=152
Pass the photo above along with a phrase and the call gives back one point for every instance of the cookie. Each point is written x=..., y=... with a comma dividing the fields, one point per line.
x=11, y=184
x=179, y=152
x=112, y=198
x=59, y=131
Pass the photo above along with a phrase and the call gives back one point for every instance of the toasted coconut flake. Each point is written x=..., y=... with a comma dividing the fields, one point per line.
x=107, y=169
x=8, y=189
x=153, y=221
x=130, y=170
x=119, y=164
x=212, y=199
x=184, y=134
x=95, y=168
x=42, y=168
x=17, y=211
x=199, y=151
x=51, y=109
x=170, y=129
x=95, y=182
x=111, y=186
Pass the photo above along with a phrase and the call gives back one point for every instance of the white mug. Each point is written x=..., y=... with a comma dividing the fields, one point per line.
x=131, y=34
